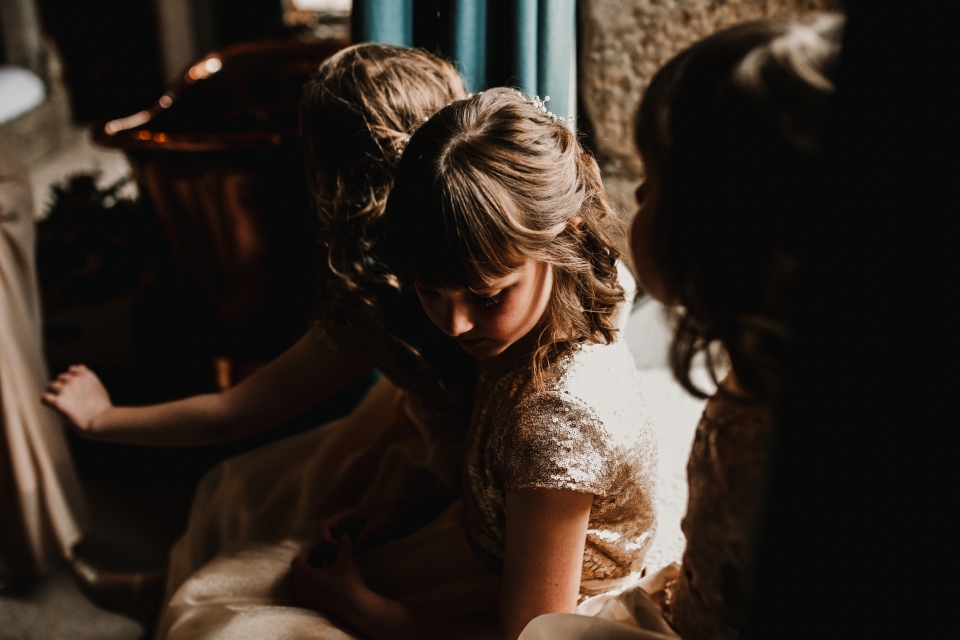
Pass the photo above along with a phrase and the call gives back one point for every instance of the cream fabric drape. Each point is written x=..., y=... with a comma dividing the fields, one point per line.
x=624, y=614
x=41, y=506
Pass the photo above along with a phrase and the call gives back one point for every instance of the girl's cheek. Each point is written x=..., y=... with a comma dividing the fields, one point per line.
x=512, y=316
x=649, y=277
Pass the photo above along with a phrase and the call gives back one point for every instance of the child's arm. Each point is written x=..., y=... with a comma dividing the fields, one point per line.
x=298, y=380
x=545, y=536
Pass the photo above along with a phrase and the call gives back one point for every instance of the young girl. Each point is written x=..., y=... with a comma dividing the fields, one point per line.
x=731, y=134
x=498, y=218
x=405, y=439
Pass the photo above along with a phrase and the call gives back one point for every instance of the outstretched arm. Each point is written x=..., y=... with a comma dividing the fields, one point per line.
x=298, y=380
x=546, y=533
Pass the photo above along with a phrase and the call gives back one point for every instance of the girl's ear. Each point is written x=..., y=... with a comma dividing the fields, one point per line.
x=577, y=222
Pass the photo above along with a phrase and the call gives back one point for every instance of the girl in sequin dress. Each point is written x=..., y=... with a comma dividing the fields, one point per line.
x=498, y=216
x=730, y=132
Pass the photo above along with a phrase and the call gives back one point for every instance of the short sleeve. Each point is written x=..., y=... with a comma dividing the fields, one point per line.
x=553, y=441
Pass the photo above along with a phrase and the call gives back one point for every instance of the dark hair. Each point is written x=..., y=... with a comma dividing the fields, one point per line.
x=730, y=133
x=355, y=114
x=491, y=182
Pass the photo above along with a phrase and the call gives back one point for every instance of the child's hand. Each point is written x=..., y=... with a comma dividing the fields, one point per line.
x=363, y=525
x=337, y=589
x=80, y=396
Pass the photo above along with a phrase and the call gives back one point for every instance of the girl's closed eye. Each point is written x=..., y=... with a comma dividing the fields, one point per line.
x=490, y=300
x=426, y=292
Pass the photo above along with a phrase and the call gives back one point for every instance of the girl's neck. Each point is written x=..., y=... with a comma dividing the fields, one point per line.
x=524, y=347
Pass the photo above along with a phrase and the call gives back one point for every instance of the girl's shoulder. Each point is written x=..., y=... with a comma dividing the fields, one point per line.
x=571, y=431
x=595, y=383
x=603, y=377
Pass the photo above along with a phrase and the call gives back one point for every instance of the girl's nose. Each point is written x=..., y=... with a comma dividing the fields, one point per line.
x=458, y=320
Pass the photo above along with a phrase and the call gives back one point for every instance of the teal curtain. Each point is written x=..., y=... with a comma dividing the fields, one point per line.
x=528, y=44
x=384, y=21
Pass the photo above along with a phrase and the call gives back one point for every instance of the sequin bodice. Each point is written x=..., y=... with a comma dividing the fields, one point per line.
x=725, y=474
x=585, y=429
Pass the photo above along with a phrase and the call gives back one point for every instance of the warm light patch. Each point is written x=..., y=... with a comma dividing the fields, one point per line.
x=130, y=122
x=205, y=68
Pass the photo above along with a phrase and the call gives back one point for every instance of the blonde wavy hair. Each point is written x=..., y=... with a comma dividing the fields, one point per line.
x=491, y=182
x=355, y=114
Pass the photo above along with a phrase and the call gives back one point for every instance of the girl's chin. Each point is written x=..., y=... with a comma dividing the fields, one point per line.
x=483, y=348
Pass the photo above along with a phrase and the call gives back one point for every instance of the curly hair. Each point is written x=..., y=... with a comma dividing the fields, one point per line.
x=491, y=182
x=355, y=114
x=730, y=133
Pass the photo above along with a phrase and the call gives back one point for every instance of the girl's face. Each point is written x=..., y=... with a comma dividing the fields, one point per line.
x=489, y=321
x=643, y=245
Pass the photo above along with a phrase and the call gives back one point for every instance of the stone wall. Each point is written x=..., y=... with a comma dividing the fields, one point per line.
x=624, y=43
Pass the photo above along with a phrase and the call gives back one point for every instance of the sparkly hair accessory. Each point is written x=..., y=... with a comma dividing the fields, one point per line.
x=401, y=144
x=541, y=106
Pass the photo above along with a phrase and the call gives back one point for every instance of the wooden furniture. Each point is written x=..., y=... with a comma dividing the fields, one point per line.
x=220, y=159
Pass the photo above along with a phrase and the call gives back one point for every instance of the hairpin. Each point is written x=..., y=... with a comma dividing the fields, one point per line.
x=541, y=106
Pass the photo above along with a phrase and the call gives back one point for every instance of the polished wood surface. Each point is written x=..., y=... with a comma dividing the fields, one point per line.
x=220, y=160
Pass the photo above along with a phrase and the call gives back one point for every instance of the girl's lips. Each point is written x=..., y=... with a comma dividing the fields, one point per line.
x=470, y=343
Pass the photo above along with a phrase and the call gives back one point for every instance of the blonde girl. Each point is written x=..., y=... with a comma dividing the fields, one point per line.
x=498, y=220
x=405, y=437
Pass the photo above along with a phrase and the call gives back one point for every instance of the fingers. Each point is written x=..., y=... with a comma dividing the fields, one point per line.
x=326, y=533
x=348, y=519
x=57, y=385
x=49, y=399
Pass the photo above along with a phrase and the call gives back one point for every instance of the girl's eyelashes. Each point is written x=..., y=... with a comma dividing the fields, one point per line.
x=492, y=300
x=484, y=300
x=423, y=291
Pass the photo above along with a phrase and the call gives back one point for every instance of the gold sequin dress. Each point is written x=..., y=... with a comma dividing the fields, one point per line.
x=586, y=429
x=726, y=475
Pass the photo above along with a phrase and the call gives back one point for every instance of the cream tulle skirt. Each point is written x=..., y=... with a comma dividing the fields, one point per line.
x=627, y=613
x=253, y=513
x=244, y=592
